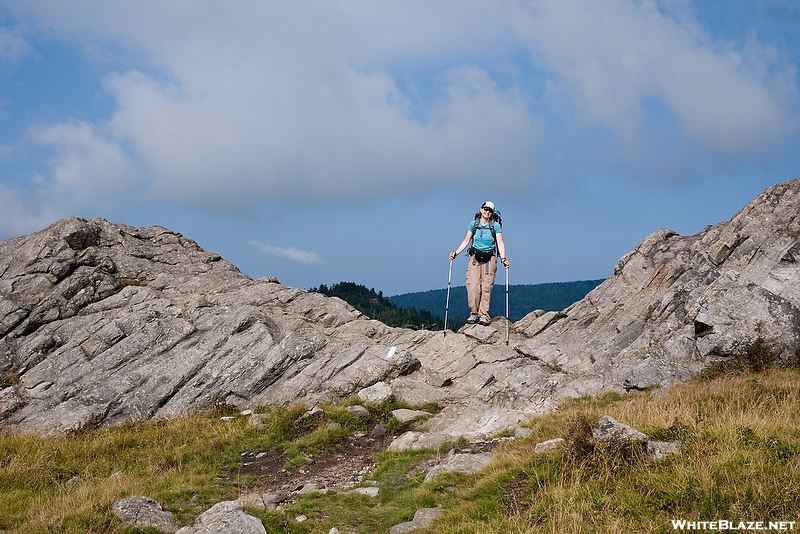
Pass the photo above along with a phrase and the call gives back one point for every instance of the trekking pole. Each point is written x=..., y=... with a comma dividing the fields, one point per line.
x=508, y=322
x=447, y=304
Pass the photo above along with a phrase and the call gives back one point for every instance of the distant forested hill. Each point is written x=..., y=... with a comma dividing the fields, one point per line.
x=523, y=299
x=376, y=306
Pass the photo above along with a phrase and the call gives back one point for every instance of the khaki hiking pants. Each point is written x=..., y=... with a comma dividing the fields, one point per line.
x=480, y=281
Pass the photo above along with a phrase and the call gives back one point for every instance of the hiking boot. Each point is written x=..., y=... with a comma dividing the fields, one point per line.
x=472, y=319
x=483, y=322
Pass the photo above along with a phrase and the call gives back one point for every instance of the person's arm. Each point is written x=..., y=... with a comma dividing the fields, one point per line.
x=462, y=246
x=501, y=247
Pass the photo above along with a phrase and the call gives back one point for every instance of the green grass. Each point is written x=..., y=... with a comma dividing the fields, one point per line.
x=740, y=461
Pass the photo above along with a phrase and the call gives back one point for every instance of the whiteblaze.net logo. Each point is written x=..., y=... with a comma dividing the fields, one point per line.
x=723, y=524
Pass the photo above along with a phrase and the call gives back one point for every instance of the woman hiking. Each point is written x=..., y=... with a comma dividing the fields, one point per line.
x=486, y=234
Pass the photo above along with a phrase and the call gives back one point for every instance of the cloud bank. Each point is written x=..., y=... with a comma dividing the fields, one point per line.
x=225, y=108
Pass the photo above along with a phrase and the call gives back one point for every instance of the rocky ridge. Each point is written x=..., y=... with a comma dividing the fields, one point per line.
x=103, y=323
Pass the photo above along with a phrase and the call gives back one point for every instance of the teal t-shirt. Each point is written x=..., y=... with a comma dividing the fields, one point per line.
x=482, y=237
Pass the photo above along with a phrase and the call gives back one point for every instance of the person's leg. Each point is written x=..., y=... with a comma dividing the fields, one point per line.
x=487, y=283
x=473, y=286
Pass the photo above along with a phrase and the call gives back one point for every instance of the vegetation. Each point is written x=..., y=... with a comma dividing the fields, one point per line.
x=740, y=462
x=523, y=299
x=375, y=306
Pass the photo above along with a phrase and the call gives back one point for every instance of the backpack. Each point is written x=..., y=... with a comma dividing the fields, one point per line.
x=495, y=218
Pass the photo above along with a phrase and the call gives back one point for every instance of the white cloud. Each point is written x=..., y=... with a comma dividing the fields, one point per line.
x=244, y=104
x=20, y=214
x=87, y=168
x=613, y=56
x=12, y=47
x=89, y=173
x=235, y=105
x=289, y=253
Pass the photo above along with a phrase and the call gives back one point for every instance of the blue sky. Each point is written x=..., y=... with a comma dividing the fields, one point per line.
x=353, y=140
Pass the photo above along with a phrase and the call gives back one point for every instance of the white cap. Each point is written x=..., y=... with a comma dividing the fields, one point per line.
x=488, y=204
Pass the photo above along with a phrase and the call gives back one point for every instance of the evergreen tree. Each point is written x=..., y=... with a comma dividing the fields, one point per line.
x=375, y=306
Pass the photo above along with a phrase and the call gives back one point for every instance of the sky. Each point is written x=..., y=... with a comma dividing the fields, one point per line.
x=323, y=141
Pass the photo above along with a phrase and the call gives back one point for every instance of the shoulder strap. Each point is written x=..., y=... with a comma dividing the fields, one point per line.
x=491, y=227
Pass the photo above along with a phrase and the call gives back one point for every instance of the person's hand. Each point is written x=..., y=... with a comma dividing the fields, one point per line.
x=452, y=255
x=505, y=262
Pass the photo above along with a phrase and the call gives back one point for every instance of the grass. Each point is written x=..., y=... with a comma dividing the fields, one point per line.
x=740, y=461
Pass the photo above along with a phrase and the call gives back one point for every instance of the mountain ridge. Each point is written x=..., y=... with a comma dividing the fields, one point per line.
x=103, y=324
x=523, y=299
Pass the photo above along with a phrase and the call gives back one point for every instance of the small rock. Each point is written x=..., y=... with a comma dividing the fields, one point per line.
x=422, y=518
x=300, y=518
x=333, y=426
x=358, y=411
x=257, y=419
x=308, y=488
x=460, y=463
x=369, y=492
x=314, y=414
x=408, y=416
x=607, y=427
x=435, y=378
x=522, y=432
x=549, y=445
x=418, y=440
x=378, y=393
x=144, y=512
x=658, y=450
x=252, y=500
x=378, y=432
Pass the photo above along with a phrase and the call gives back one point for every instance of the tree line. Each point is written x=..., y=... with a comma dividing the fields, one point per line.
x=425, y=310
x=523, y=299
x=376, y=306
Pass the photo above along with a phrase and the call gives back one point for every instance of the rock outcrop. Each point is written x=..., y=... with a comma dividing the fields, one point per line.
x=102, y=323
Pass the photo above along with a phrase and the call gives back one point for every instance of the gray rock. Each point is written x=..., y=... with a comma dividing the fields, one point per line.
x=608, y=428
x=144, y=512
x=460, y=463
x=549, y=445
x=422, y=518
x=261, y=501
x=369, y=492
x=358, y=411
x=378, y=432
x=658, y=450
x=257, y=419
x=522, y=432
x=436, y=379
x=405, y=416
x=314, y=414
x=419, y=440
x=226, y=517
x=104, y=324
x=375, y=394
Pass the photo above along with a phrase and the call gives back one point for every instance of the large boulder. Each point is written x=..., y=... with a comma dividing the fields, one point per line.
x=676, y=304
x=102, y=323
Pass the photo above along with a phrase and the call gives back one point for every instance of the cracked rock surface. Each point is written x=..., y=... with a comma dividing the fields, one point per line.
x=103, y=323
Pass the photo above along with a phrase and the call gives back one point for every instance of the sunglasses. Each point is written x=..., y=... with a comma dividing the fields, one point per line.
x=490, y=210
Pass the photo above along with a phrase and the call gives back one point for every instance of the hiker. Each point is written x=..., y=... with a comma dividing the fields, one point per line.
x=486, y=235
